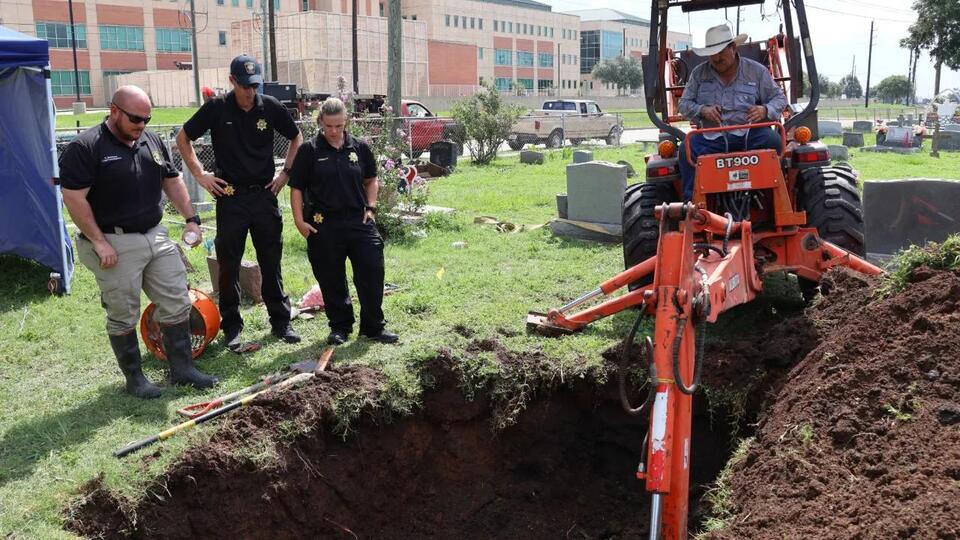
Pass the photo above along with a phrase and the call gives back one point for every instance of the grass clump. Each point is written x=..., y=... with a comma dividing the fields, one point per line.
x=945, y=256
x=718, y=496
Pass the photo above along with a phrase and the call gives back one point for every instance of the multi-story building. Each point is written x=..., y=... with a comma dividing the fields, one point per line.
x=608, y=33
x=521, y=46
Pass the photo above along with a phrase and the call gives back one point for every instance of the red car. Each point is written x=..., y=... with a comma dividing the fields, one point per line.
x=423, y=128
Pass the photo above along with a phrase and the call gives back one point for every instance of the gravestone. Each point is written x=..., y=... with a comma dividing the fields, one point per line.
x=853, y=140
x=562, y=205
x=826, y=128
x=863, y=126
x=582, y=156
x=531, y=157
x=839, y=152
x=250, y=279
x=900, y=137
x=595, y=191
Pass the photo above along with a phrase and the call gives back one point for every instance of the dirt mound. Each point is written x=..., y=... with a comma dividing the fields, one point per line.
x=863, y=438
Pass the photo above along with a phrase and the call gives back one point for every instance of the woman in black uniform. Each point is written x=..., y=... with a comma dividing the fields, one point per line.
x=333, y=192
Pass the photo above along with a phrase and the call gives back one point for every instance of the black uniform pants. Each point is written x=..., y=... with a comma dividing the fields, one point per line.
x=327, y=250
x=258, y=213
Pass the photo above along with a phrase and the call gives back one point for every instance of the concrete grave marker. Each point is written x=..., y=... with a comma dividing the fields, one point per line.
x=863, y=126
x=582, y=156
x=595, y=191
x=853, y=140
x=901, y=137
x=839, y=152
x=531, y=157
x=826, y=128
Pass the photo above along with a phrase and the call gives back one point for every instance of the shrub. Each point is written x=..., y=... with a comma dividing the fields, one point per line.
x=487, y=121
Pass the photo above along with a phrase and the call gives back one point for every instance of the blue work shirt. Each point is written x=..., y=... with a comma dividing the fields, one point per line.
x=752, y=86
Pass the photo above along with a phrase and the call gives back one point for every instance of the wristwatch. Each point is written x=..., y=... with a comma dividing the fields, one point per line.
x=286, y=171
x=194, y=219
x=371, y=208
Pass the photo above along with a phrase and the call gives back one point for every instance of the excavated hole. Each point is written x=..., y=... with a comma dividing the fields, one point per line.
x=565, y=469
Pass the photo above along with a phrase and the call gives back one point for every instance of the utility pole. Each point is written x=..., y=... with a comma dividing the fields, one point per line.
x=869, y=65
x=73, y=43
x=356, y=62
x=273, y=43
x=559, y=64
x=394, y=55
x=196, y=66
x=738, y=20
x=624, y=41
x=265, y=55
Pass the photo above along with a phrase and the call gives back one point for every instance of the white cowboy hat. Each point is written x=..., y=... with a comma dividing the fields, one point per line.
x=717, y=38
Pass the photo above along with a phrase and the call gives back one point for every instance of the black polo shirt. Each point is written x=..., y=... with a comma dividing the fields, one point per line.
x=124, y=181
x=333, y=178
x=242, y=140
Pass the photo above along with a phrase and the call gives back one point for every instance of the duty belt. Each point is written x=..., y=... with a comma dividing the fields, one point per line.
x=234, y=189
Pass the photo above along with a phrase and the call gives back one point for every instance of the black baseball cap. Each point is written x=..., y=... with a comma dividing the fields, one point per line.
x=246, y=70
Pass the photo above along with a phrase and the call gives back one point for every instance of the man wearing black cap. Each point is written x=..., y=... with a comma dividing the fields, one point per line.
x=241, y=125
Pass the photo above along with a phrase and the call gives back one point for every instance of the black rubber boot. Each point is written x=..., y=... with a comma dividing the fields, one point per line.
x=127, y=350
x=176, y=343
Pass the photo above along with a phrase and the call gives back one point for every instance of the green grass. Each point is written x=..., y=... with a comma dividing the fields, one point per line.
x=62, y=411
x=943, y=256
x=162, y=116
x=888, y=166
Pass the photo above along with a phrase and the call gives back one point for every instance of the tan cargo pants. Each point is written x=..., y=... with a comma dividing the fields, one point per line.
x=148, y=262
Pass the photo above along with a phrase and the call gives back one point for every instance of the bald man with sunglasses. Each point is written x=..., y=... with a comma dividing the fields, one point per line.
x=112, y=176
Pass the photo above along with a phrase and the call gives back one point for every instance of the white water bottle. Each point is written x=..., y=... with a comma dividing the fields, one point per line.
x=190, y=238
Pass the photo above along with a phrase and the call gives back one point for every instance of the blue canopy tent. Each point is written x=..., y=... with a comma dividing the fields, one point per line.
x=31, y=217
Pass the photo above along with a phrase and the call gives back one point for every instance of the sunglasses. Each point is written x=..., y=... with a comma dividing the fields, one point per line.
x=134, y=118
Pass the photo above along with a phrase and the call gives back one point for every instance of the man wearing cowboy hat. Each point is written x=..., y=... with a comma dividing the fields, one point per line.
x=728, y=90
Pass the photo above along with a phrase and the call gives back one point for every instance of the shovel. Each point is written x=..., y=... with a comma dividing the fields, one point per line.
x=296, y=374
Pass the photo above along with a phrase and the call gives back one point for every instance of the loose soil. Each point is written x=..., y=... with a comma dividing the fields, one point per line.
x=863, y=438
x=853, y=404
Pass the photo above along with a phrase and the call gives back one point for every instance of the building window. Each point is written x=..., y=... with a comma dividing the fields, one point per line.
x=219, y=2
x=525, y=83
x=276, y=5
x=109, y=73
x=525, y=59
x=539, y=30
x=503, y=57
x=235, y=3
x=589, y=50
x=473, y=23
x=174, y=40
x=544, y=84
x=480, y=24
x=480, y=53
x=305, y=4
x=412, y=17
x=509, y=27
x=546, y=59
x=611, y=45
x=504, y=84
x=121, y=38
x=58, y=35
x=63, y=83
x=222, y=37
x=496, y=25
x=456, y=21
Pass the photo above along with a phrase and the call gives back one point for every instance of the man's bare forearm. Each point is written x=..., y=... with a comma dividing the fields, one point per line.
x=188, y=154
x=177, y=192
x=82, y=214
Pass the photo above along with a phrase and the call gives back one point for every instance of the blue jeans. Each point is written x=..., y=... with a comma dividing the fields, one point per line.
x=700, y=145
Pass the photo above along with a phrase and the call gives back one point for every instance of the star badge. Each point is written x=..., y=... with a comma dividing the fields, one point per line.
x=353, y=157
x=318, y=218
x=262, y=124
x=228, y=190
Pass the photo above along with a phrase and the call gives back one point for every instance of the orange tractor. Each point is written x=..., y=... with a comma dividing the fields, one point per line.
x=753, y=213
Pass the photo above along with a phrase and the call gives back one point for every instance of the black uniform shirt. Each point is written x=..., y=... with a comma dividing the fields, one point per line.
x=333, y=178
x=124, y=181
x=242, y=141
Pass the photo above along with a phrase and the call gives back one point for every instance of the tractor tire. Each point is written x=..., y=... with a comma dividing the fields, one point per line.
x=515, y=145
x=576, y=142
x=830, y=197
x=555, y=140
x=641, y=230
x=613, y=139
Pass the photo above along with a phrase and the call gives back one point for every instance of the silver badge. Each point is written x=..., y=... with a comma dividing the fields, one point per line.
x=250, y=67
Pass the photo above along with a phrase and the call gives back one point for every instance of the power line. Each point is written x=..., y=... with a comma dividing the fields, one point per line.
x=868, y=17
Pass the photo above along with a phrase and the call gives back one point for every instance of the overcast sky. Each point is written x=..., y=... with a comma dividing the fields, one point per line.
x=840, y=30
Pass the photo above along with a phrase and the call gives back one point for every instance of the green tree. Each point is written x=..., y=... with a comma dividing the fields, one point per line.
x=487, y=121
x=893, y=89
x=624, y=73
x=828, y=88
x=937, y=31
x=850, y=85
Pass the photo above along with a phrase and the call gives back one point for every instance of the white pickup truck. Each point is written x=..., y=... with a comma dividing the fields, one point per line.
x=565, y=119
